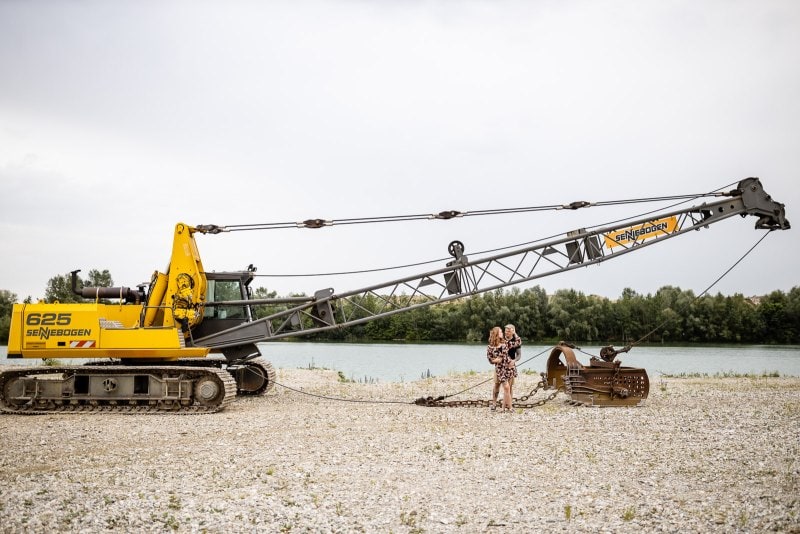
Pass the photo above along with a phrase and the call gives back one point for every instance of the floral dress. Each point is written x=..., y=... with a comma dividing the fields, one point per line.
x=506, y=368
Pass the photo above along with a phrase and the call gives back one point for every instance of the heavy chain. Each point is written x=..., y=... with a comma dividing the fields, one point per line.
x=517, y=402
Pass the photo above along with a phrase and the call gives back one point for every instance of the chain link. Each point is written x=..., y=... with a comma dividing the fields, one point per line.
x=517, y=402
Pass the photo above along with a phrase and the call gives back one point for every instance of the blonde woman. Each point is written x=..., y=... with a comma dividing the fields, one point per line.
x=504, y=368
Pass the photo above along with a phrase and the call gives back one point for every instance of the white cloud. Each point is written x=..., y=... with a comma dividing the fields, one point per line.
x=119, y=120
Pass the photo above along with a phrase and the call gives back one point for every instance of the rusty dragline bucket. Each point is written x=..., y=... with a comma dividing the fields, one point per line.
x=604, y=382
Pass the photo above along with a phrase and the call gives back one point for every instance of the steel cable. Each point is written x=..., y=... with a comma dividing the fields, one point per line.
x=451, y=214
x=698, y=297
x=686, y=198
x=706, y=290
x=340, y=399
x=373, y=401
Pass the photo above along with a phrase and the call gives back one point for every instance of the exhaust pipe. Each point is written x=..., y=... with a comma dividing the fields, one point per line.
x=126, y=294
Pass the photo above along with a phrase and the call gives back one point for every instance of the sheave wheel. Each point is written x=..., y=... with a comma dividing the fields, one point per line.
x=455, y=248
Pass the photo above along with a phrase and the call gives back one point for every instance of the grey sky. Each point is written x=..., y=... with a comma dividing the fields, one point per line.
x=120, y=119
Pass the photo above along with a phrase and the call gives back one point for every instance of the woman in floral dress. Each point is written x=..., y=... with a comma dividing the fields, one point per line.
x=504, y=368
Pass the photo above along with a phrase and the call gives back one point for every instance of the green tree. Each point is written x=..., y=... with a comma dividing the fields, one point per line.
x=671, y=305
x=59, y=288
x=530, y=310
x=670, y=315
x=477, y=315
x=631, y=316
x=97, y=278
x=601, y=316
x=7, y=300
x=263, y=310
x=572, y=315
x=778, y=311
x=793, y=314
x=737, y=319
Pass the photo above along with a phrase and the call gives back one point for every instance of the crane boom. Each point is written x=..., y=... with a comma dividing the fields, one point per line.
x=460, y=277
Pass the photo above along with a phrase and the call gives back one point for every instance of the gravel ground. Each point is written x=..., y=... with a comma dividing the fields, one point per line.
x=703, y=455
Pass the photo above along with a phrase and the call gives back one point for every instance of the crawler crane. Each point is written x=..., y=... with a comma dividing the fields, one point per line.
x=155, y=342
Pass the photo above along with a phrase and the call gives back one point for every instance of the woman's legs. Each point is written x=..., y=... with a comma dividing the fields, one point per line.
x=507, y=394
x=495, y=390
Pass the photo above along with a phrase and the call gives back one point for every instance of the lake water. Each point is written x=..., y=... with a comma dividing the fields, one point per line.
x=394, y=362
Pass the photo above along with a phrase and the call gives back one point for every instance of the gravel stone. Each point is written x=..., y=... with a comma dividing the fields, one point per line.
x=702, y=455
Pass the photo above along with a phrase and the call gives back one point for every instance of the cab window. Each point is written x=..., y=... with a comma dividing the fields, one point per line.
x=220, y=291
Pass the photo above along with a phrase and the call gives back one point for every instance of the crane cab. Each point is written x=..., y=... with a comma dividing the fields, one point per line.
x=227, y=294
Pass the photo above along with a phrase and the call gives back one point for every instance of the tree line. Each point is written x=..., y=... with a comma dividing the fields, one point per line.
x=670, y=315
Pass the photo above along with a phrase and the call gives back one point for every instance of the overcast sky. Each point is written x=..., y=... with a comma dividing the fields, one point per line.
x=120, y=119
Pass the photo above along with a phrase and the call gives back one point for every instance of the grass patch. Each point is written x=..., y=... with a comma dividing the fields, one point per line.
x=313, y=367
x=723, y=374
x=343, y=378
x=629, y=513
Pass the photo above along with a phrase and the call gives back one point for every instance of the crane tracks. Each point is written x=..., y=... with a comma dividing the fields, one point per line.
x=253, y=377
x=112, y=389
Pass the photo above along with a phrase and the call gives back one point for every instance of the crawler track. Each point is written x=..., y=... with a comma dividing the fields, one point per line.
x=116, y=389
x=253, y=377
x=256, y=377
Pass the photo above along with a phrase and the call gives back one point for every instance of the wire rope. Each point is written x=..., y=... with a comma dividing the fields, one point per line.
x=375, y=401
x=684, y=200
x=699, y=296
x=340, y=399
x=451, y=214
x=706, y=290
x=492, y=378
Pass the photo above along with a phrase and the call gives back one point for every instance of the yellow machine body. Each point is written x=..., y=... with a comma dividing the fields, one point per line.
x=156, y=329
x=186, y=281
x=92, y=331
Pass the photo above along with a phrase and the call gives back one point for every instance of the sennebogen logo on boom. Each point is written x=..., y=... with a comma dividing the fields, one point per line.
x=640, y=232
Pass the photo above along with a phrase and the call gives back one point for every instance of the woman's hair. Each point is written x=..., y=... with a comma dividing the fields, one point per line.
x=495, y=336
